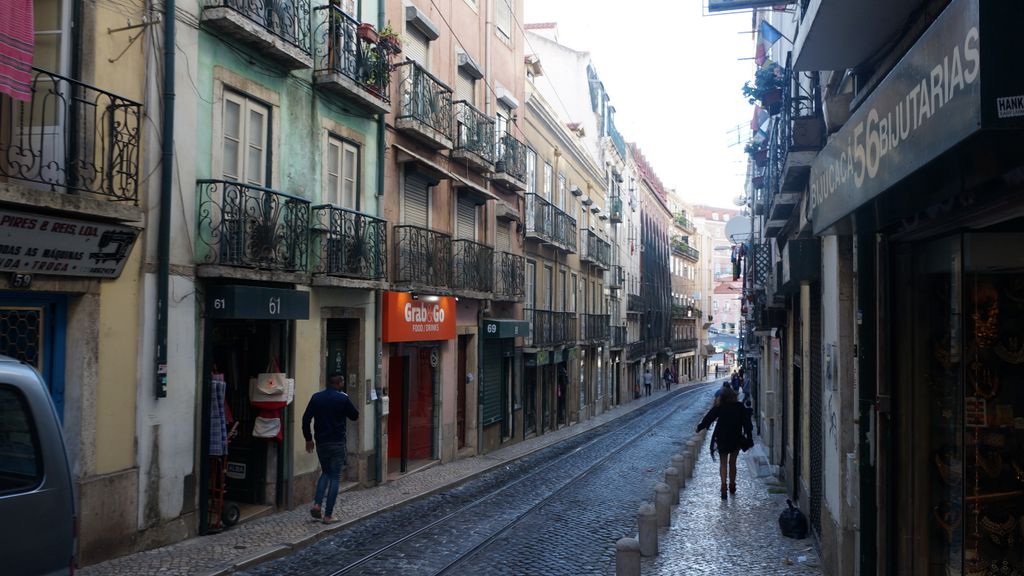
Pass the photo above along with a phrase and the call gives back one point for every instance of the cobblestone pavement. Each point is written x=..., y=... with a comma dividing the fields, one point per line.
x=273, y=536
x=563, y=526
x=739, y=536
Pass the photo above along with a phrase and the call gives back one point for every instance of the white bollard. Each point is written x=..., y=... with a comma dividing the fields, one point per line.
x=672, y=479
x=679, y=463
x=647, y=520
x=691, y=447
x=627, y=557
x=663, y=504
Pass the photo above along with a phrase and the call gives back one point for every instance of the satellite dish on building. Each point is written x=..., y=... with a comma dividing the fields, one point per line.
x=738, y=229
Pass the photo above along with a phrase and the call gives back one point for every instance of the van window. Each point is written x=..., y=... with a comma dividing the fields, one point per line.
x=20, y=458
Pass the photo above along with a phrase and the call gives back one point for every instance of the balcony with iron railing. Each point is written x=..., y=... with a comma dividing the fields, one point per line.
x=684, y=222
x=472, y=268
x=684, y=344
x=563, y=231
x=509, y=276
x=635, y=350
x=72, y=138
x=617, y=338
x=348, y=64
x=634, y=303
x=425, y=106
x=347, y=244
x=595, y=250
x=595, y=328
x=277, y=30
x=615, y=209
x=616, y=277
x=474, y=137
x=550, y=328
x=244, y=226
x=539, y=224
x=510, y=167
x=422, y=257
x=682, y=248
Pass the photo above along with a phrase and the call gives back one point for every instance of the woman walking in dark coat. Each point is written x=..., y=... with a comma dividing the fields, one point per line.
x=732, y=433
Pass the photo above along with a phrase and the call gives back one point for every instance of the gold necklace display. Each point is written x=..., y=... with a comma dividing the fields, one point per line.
x=1000, y=532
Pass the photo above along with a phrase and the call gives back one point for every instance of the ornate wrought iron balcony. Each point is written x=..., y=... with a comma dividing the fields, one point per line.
x=251, y=227
x=472, y=266
x=425, y=106
x=683, y=222
x=563, y=230
x=538, y=217
x=347, y=64
x=348, y=243
x=549, y=328
x=595, y=327
x=616, y=277
x=615, y=209
x=596, y=250
x=509, y=280
x=278, y=30
x=635, y=350
x=71, y=137
x=422, y=256
x=618, y=337
x=510, y=168
x=684, y=344
x=474, y=137
x=634, y=303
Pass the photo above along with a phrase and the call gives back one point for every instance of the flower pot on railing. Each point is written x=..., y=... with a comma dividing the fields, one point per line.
x=771, y=100
x=391, y=44
x=760, y=157
x=499, y=166
x=367, y=32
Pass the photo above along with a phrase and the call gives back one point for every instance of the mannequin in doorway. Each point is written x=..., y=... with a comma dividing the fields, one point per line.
x=328, y=410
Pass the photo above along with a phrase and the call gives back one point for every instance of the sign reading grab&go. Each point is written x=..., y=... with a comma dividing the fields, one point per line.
x=410, y=320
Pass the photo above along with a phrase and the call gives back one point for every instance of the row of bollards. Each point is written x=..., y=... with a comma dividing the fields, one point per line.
x=658, y=515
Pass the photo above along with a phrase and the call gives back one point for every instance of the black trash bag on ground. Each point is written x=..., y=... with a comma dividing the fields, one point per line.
x=792, y=522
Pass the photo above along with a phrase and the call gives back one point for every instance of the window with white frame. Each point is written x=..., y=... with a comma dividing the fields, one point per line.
x=561, y=192
x=244, y=140
x=531, y=171
x=548, y=181
x=504, y=19
x=342, y=164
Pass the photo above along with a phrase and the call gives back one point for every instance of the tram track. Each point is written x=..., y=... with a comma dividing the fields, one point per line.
x=488, y=524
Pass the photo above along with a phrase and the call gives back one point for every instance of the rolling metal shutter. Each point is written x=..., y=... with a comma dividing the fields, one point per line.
x=464, y=88
x=503, y=238
x=490, y=390
x=816, y=417
x=415, y=45
x=416, y=201
x=465, y=219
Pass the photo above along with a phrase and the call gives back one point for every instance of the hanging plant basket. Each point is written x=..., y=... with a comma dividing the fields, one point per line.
x=368, y=33
x=391, y=44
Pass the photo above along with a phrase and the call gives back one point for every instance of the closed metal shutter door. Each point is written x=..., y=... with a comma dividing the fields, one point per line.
x=416, y=204
x=816, y=417
x=465, y=221
x=491, y=381
x=503, y=238
x=464, y=88
x=415, y=45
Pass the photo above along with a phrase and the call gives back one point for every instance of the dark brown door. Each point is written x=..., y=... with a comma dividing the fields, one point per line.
x=460, y=402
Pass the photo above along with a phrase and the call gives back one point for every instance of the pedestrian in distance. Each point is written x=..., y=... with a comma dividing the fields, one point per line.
x=667, y=377
x=733, y=433
x=329, y=411
x=648, y=381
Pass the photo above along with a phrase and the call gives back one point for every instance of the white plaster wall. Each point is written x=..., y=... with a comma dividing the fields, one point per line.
x=830, y=400
x=176, y=416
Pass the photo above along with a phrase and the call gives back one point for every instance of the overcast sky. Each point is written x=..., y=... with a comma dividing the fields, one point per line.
x=675, y=79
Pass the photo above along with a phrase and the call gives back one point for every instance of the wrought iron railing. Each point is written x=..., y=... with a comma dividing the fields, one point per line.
x=684, y=344
x=617, y=337
x=635, y=349
x=510, y=275
x=472, y=266
x=348, y=243
x=563, y=229
x=685, y=250
x=512, y=155
x=595, y=327
x=683, y=222
x=422, y=256
x=424, y=98
x=634, y=303
x=339, y=49
x=616, y=277
x=72, y=137
x=286, y=19
x=615, y=208
x=550, y=328
x=539, y=216
x=474, y=131
x=252, y=227
x=596, y=249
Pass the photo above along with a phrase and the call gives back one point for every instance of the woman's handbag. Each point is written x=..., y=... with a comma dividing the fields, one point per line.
x=270, y=390
x=746, y=442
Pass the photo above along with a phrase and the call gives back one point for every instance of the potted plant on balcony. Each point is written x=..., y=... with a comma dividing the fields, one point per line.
x=767, y=88
x=367, y=32
x=758, y=152
x=389, y=40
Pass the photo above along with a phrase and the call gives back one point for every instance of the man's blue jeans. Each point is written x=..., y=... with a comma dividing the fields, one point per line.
x=332, y=462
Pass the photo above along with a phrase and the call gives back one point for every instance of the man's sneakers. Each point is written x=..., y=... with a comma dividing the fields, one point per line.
x=330, y=520
x=315, y=512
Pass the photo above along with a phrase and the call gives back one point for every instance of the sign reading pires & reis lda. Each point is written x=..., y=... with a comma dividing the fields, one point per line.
x=409, y=320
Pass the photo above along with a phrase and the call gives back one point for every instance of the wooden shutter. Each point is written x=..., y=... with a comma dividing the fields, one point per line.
x=465, y=219
x=416, y=201
x=464, y=88
x=415, y=46
x=503, y=238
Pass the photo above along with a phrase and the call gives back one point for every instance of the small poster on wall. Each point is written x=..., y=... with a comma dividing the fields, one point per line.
x=974, y=411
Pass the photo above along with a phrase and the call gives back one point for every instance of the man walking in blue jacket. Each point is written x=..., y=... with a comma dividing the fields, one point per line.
x=329, y=410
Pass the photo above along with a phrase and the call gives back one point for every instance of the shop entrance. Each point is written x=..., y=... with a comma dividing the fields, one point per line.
x=240, y=351
x=462, y=378
x=412, y=424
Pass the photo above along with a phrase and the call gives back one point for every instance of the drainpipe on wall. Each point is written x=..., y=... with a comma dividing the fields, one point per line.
x=166, y=175
x=378, y=408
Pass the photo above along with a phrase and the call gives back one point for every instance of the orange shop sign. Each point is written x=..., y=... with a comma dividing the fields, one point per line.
x=409, y=320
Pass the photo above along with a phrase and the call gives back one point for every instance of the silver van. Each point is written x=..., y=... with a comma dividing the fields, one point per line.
x=37, y=505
